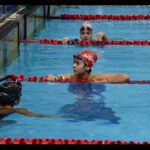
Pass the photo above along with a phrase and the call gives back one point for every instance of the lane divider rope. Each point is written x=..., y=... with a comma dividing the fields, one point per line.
x=22, y=78
x=101, y=17
x=65, y=141
x=91, y=42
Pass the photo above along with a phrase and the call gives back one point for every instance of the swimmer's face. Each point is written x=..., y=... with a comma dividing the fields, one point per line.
x=85, y=34
x=79, y=67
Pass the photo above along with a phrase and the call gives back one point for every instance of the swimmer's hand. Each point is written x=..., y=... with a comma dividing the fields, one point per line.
x=100, y=36
x=53, y=78
x=65, y=40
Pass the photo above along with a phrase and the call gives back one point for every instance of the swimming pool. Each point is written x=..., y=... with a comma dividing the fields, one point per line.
x=110, y=111
x=106, y=9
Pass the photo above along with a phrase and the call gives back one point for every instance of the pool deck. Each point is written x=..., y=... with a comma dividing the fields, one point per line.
x=12, y=17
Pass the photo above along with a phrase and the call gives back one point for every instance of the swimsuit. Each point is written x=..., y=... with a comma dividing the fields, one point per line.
x=3, y=116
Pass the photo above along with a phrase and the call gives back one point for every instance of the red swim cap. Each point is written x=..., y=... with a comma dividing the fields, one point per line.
x=88, y=57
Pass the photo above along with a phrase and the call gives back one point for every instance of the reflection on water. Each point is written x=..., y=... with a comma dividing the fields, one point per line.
x=89, y=104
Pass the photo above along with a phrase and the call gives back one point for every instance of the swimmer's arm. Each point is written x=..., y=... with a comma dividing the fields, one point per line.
x=53, y=78
x=64, y=76
x=25, y=112
x=112, y=78
x=6, y=111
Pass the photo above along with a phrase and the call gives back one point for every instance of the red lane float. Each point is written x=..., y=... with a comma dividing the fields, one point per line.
x=31, y=141
x=134, y=142
x=69, y=141
x=56, y=141
x=66, y=141
x=146, y=142
x=19, y=141
x=32, y=79
x=121, y=142
x=5, y=140
x=101, y=17
x=92, y=42
x=20, y=77
x=42, y=79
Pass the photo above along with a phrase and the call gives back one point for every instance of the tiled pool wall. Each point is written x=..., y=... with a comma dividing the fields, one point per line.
x=27, y=22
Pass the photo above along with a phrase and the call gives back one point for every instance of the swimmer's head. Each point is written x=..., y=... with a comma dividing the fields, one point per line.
x=10, y=93
x=86, y=26
x=86, y=31
x=88, y=57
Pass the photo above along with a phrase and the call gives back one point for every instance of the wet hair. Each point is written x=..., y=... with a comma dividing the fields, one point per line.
x=10, y=93
x=90, y=70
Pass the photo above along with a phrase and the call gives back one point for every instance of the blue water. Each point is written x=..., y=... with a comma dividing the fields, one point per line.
x=114, y=30
x=95, y=111
x=106, y=9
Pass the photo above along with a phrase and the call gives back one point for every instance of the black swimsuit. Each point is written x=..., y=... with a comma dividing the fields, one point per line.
x=3, y=116
x=74, y=41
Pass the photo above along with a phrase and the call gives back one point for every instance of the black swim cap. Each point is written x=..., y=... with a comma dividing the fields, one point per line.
x=10, y=91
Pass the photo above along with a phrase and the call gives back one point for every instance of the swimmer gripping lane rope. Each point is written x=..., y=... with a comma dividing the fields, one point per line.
x=91, y=42
x=43, y=79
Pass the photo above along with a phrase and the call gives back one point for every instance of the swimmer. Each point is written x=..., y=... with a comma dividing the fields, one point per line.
x=86, y=34
x=83, y=62
x=10, y=95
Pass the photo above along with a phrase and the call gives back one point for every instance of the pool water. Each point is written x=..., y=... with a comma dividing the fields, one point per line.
x=106, y=9
x=93, y=111
x=114, y=30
